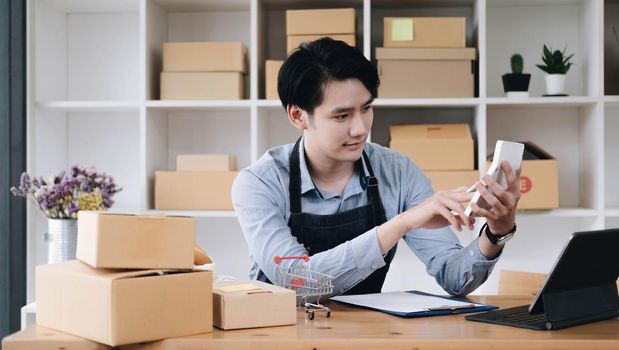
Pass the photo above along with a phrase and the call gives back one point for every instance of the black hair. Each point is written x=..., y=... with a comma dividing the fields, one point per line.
x=305, y=73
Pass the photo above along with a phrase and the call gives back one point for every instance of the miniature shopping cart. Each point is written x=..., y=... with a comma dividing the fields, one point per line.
x=305, y=282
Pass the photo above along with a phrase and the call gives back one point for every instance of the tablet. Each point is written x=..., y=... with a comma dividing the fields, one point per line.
x=503, y=150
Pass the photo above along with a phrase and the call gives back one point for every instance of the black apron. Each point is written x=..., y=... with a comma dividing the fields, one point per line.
x=323, y=232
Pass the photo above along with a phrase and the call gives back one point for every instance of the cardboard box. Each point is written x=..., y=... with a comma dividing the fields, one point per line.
x=293, y=41
x=117, y=307
x=201, y=86
x=424, y=32
x=205, y=57
x=435, y=146
x=539, y=179
x=446, y=180
x=271, y=70
x=323, y=21
x=252, y=304
x=126, y=241
x=205, y=162
x=426, y=78
x=194, y=190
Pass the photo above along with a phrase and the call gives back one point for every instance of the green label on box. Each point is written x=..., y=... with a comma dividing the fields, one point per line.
x=402, y=29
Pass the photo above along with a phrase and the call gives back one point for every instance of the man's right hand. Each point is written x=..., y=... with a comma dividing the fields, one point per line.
x=438, y=211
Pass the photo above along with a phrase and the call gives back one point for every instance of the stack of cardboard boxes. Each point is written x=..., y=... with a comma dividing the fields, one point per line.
x=203, y=71
x=444, y=152
x=200, y=182
x=134, y=281
x=425, y=57
x=309, y=25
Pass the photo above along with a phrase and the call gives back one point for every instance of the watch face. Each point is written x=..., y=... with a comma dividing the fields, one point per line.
x=502, y=240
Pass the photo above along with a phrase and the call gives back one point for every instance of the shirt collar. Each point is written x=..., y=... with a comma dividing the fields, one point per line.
x=307, y=184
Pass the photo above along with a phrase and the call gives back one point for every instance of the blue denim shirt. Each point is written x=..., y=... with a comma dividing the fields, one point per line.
x=262, y=203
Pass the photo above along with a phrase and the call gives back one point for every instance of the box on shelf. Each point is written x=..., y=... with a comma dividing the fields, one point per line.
x=424, y=32
x=293, y=41
x=539, y=179
x=127, y=241
x=449, y=179
x=201, y=86
x=426, y=72
x=320, y=21
x=193, y=190
x=117, y=307
x=271, y=70
x=252, y=304
x=205, y=162
x=204, y=57
x=435, y=146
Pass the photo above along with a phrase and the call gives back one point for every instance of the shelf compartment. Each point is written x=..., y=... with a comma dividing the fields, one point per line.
x=611, y=155
x=191, y=21
x=611, y=48
x=568, y=134
x=78, y=44
x=559, y=24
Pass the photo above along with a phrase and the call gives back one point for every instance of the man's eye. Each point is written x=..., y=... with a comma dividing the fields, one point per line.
x=367, y=108
x=341, y=116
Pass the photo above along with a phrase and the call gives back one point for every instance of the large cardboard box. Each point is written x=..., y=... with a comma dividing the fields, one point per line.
x=252, y=304
x=194, y=190
x=201, y=86
x=126, y=241
x=415, y=53
x=321, y=21
x=293, y=41
x=205, y=162
x=539, y=179
x=435, y=146
x=424, y=32
x=117, y=307
x=450, y=179
x=426, y=78
x=271, y=71
x=204, y=57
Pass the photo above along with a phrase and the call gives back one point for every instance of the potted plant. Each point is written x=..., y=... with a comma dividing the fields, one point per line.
x=556, y=65
x=516, y=84
x=61, y=197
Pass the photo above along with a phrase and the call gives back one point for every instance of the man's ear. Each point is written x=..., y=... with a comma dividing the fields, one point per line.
x=298, y=117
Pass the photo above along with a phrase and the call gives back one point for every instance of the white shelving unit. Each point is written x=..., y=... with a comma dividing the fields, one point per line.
x=94, y=69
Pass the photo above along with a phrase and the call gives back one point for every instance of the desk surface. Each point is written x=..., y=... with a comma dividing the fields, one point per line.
x=361, y=329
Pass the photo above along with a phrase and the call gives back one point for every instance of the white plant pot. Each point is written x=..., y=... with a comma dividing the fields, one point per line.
x=555, y=84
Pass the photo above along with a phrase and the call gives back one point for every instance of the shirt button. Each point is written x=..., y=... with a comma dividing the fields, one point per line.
x=471, y=253
x=374, y=267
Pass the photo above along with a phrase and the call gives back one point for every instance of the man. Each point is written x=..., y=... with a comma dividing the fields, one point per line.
x=346, y=202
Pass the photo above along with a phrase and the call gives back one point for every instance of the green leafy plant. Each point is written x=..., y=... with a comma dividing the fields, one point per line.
x=517, y=63
x=555, y=62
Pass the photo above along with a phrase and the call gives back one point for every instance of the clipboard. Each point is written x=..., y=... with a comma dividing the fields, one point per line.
x=412, y=303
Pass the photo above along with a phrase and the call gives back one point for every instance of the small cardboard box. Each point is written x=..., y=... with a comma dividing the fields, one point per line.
x=126, y=241
x=435, y=146
x=539, y=179
x=252, y=304
x=205, y=162
x=194, y=190
x=445, y=180
x=293, y=41
x=416, y=53
x=323, y=21
x=271, y=70
x=424, y=32
x=117, y=307
x=205, y=57
x=426, y=78
x=201, y=86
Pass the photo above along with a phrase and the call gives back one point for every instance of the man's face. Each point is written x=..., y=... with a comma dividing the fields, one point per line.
x=340, y=125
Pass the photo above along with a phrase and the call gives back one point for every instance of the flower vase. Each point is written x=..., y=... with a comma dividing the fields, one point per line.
x=62, y=240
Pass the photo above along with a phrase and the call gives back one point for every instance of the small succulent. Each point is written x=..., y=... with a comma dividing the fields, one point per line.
x=517, y=63
x=555, y=62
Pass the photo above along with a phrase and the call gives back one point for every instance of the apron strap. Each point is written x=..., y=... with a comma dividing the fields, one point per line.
x=374, y=194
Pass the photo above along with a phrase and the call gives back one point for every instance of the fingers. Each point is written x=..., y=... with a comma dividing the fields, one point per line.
x=496, y=207
x=453, y=204
x=513, y=182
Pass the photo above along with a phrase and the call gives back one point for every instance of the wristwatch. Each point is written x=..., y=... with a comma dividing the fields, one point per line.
x=498, y=240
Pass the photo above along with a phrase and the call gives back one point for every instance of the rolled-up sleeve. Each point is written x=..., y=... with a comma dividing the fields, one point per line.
x=261, y=207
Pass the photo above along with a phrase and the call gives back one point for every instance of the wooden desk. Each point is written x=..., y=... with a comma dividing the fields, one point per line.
x=352, y=328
